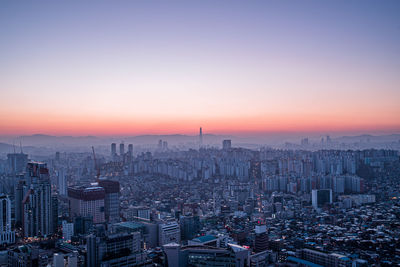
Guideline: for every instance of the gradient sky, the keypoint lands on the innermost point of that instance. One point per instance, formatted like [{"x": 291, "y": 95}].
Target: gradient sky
[{"x": 135, "y": 67}]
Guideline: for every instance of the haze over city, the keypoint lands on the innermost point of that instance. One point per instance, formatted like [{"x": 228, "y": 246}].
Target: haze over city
[{"x": 200, "y": 133}]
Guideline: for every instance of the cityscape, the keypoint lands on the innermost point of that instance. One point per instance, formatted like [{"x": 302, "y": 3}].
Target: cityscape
[
  {"x": 200, "y": 133},
  {"x": 217, "y": 205}
]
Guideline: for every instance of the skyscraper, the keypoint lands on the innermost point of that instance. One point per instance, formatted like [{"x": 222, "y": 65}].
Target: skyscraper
[
  {"x": 54, "y": 208},
  {"x": 20, "y": 191},
  {"x": 226, "y": 144},
  {"x": 320, "y": 197},
  {"x": 121, "y": 149},
  {"x": 17, "y": 162},
  {"x": 6, "y": 235},
  {"x": 169, "y": 232},
  {"x": 92, "y": 253},
  {"x": 62, "y": 182},
  {"x": 130, "y": 150},
  {"x": 67, "y": 230},
  {"x": 37, "y": 217},
  {"x": 87, "y": 201},
  {"x": 201, "y": 137},
  {"x": 113, "y": 150},
  {"x": 261, "y": 238},
  {"x": 160, "y": 144},
  {"x": 111, "y": 200}
]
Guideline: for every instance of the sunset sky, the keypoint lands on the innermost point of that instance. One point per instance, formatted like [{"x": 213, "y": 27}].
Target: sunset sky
[{"x": 232, "y": 67}]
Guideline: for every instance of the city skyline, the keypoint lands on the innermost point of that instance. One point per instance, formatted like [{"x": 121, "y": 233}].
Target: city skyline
[
  {"x": 200, "y": 133},
  {"x": 232, "y": 68}
]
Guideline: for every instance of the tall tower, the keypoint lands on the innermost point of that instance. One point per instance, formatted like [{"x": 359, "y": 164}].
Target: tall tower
[
  {"x": 62, "y": 182},
  {"x": 121, "y": 149},
  {"x": 226, "y": 144},
  {"x": 201, "y": 137},
  {"x": 113, "y": 150},
  {"x": 6, "y": 235},
  {"x": 37, "y": 217},
  {"x": 130, "y": 150},
  {"x": 17, "y": 162},
  {"x": 111, "y": 200},
  {"x": 87, "y": 201}
]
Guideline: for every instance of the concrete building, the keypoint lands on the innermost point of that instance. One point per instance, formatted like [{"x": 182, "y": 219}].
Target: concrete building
[
  {"x": 67, "y": 230},
  {"x": 261, "y": 238},
  {"x": 58, "y": 260},
  {"x": 37, "y": 219},
  {"x": 320, "y": 197},
  {"x": 6, "y": 235},
  {"x": 169, "y": 232},
  {"x": 17, "y": 162},
  {"x": 62, "y": 182},
  {"x": 111, "y": 200},
  {"x": 226, "y": 144},
  {"x": 122, "y": 249},
  {"x": 201, "y": 137},
  {"x": 121, "y": 149},
  {"x": 87, "y": 202},
  {"x": 113, "y": 150},
  {"x": 182, "y": 256},
  {"x": 324, "y": 259}
]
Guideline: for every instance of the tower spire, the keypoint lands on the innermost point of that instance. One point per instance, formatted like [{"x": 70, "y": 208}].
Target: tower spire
[{"x": 201, "y": 137}]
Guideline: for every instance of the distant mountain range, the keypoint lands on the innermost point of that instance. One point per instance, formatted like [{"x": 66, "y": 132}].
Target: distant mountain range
[
  {"x": 369, "y": 138},
  {"x": 60, "y": 141},
  {"x": 37, "y": 141}
]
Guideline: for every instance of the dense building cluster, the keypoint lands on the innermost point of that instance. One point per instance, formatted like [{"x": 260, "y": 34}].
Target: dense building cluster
[{"x": 201, "y": 207}]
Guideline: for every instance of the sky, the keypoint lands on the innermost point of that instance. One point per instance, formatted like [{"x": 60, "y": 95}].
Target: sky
[{"x": 232, "y": 67}]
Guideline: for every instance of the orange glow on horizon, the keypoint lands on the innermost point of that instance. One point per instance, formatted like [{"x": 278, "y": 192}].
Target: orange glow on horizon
[{"x": 244, "y": 125}]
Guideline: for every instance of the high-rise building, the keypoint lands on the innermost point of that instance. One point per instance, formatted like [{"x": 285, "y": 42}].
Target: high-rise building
[
  {"x": 6, "y": 235},
  {"x": 320, "y": 197},
  {"x": 324, "y": 259},
  {"x": 304, "y": 142},
  {"x": 190, "y": 226},
  {"x": 37, "y": 217},
  {"x": 72, "y": 260},
  {"x": 82, "y": 225},
  {"x": 27, "y": 256},
  {"x": 169, "y": 232},
  {"x": 137, "y": 212},
  {"x": 261, "y": 238},
  {"x": 160, "y": 144},
  {"x": 111, "y": 200},
  {"x": 54, "y": 209},
  {"x": 67, "y": 230},
  {"x": 113, "y": 150},
  {"x": 328, "y": 139},
  {"x": 20, "y": 191},
  {"x": 226, "y": 144},
  {"x": 121, "y": 149},
  {"x": 201, "y": 137},
  {"x": 165, "y": 145},
  {"x": 17, "y": 162},
  {"x": 62, "y": 182},
  {"x": 87, "y": 201},
  {"x": 58, "y": 260},
  {"x": 57, "y": 156},
  {"x": 180, "y": 256},
  {"x": 92, "y": 258},
  {"x": 130, "y": 150},
  {"x": 121, "y": 249}
]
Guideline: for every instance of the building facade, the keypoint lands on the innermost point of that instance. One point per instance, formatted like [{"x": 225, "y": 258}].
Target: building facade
[{"x": 87, "y": 202}]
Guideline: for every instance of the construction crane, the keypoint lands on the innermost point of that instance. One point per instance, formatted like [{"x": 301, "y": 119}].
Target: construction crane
[{"x": 96, "y": 166}]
